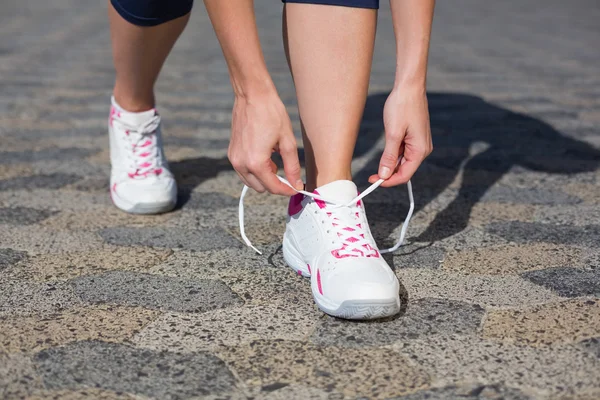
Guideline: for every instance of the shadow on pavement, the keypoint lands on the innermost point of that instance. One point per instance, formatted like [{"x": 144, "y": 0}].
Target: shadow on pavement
[{"x": 480, "y": 139}]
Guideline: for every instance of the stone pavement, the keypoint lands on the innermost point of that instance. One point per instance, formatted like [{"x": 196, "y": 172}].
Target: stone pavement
[{"x": 501, "y": 276}]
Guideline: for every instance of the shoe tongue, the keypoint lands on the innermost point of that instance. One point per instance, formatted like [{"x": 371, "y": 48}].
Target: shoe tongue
[{"x": 338, "y": 191}]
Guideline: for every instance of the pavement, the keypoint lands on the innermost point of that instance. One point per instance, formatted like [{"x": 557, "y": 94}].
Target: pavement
[{"x": 500, "y": 276}]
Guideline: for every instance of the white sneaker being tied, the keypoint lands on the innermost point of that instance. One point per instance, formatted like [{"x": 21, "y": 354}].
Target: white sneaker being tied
[
  {"x": 140, "y": 180},
  {"x": 328, "y": 238}
]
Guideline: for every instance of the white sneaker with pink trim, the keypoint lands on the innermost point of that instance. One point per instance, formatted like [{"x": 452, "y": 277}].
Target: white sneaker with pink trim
[
  {"x": 330, "y": 241},
  {"x": 140, "y": 180}
]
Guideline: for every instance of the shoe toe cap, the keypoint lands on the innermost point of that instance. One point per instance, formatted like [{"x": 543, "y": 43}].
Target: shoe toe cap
[
  {"x": 361, "y": 279},
  {"x": 158, "y": 191}
]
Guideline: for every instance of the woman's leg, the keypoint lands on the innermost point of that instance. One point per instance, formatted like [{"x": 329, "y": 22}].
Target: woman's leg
[
  {"x": 143, "y": 33},
  {"x": 141, "y": 44},
  {"x": 330, "y": 51}
]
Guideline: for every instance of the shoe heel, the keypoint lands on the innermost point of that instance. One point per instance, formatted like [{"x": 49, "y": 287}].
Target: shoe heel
[{"x": 293, "y": 259}]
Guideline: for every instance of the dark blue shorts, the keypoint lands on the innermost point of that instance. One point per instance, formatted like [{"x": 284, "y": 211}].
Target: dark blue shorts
[
  {"x": 152, "y": 12},
  {"x": 156, "y": 12},
  {"x": 345, "y": 3}
]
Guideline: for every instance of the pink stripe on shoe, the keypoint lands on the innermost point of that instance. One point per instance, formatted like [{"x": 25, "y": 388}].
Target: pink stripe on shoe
[
  {"x": 295, "y": 205},
  {"x": 319, "y": 286}
]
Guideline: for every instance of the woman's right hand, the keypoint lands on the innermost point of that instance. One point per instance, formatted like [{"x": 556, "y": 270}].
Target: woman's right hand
[{"x": 260, "y": 126}]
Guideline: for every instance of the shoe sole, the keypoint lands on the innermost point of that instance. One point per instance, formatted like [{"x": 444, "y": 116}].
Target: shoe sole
[
  {"x": 360, "y": 309},
  {"x": 142, "y": 209},
  {"x": 349, "y": 309}
]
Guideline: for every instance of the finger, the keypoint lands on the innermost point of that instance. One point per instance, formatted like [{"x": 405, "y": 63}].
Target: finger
[
  {"x": 405, "y": 172},
  {"x": 269, "y": 180},
  {"x": 243, "y": 179},
  {"x": 255, "y": 183},
  {"x": 389, "y": 158},
  {"x": 291, "y": 163}
]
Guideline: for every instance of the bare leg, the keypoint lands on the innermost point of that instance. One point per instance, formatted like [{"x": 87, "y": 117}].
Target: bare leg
[
  {"x": 330, "y": 51},
  {"x": 139, "y": 54}
]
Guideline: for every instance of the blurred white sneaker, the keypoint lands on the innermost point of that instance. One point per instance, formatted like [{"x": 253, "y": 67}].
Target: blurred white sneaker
[
  {"x": 140, "y": 180},
  {"x": 330, "y": 241}
]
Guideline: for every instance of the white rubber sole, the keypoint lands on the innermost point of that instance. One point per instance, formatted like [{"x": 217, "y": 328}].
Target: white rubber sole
[
  {"x": 142, "y": 208},
  {"x": 363, "y": 309}
]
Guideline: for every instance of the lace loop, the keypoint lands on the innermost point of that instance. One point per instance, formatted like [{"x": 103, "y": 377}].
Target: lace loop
[
  {"x": 143, "y": 147},
  {"x": 369, "y": 190}
]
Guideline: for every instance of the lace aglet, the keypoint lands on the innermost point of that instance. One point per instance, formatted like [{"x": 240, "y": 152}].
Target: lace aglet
[{"x": 256, "y": 250}]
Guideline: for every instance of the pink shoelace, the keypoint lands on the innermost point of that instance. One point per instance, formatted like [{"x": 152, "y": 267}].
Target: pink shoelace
[{"x": 142, "y": 150}]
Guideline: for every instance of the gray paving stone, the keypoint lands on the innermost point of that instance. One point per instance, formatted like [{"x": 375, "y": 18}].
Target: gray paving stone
[
  {"x": 526, "y": 232},
  {"x": 468, "y": 392},
  {"x": 568, "y": 215},
  {"x": 484, "y": 290},
  {"x": 592, "y": 346},
  {"x": 284, "y": 391},
  {"x": 568, "y": 282},
  {"x": 517, "y": 195},
  {"x": 209, "y": 201},
  {"x": 98, "y": 184},
  {"x": 18, "y": 377},
  {"x": 231, "y": 326},
  {"x": 43, "y": 134},
  {"x": 423, "y": 318},
  {"x": 196, "y": 142},
  {"x": 37, "y": 239},
  {"x": 23, "y": 215},
  {"x": 414, "y": 256},
  {"x": 78, "y": 167},
  {"x": 52, "y": 181},
  {"x": 8, "y": 157},
  {"x": 118, "y": 367},
  {"x": 199, "y": 239},
  {"x": 155, "y": 291},
  {"x": 27, "y": 298},
  {"x": 552, "y": 372},
  {"x": 469, "y": 238},
  {"x": 9, "y": 257}
]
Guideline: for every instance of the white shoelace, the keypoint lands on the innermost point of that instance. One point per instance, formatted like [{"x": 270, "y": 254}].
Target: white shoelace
[
  {"x": 337, "y": 205},
  {"x": 141, "y": 147}
]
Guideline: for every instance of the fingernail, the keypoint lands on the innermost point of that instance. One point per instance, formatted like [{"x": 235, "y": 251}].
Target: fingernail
[
  {"x": 299, "y": 184},
  {"x": 384, "y": 172}
]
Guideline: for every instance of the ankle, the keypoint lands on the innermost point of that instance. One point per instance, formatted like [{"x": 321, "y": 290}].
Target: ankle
[
  {"x": 133, "y": 103},
  {"x": 323, "y": 179}
]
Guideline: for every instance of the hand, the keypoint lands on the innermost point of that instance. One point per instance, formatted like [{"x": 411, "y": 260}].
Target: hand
[
  {"x": 259, "y": 127},
  {"x": 407, "y": 134}
]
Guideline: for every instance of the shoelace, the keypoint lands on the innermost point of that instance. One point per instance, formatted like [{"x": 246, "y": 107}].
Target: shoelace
[
  {"x": 336, "y": 205},
  {"x": 142, "y": 151},
  {"x": 351, "y": 232}
]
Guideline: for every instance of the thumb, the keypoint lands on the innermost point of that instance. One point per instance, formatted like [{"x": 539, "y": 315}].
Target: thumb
[
  {"x": 389, "y": 158},
  {"x": 291, "y": 163}
]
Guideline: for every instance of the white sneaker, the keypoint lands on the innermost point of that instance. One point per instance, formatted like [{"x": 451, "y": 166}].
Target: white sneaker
[
  {"x": 140, "y": 180},
  {"x": 331, "y": 242}
]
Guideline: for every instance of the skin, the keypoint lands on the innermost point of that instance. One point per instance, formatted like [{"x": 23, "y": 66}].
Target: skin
[
  {"x": 139, "y": 54},
  {"x": 330, "y": 117},
  {"x": 260, "y": 122},
  {"x": 406, "y": 114},
  {"x": 332, "y": 80}
]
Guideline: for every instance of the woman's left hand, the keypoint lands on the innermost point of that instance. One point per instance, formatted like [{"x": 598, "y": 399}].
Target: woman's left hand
[{"x": 407, "y": 134}]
